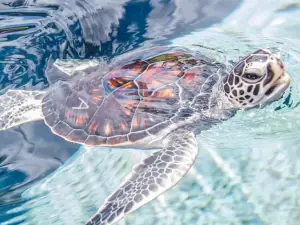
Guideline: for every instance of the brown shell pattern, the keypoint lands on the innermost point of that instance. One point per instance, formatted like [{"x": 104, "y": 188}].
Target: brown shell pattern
[{"x": 127, "y": 104}]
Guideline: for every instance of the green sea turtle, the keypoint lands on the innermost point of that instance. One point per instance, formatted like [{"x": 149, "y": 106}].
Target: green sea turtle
[{"x": 155, "y": 98}]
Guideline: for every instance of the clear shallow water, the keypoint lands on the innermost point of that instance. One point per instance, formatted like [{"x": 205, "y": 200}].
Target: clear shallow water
[
  {"x": 35, "y": 33},
  {"x": 246, "y": 173}
]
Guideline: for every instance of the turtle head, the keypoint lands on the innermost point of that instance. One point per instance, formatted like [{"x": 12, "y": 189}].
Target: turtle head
[{"x": 256, "y": 80}]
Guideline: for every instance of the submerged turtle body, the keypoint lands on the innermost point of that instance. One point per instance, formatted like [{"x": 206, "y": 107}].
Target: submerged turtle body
[
  {"x": 154, "y": 98},
  {"x": 135, "y": 100}
]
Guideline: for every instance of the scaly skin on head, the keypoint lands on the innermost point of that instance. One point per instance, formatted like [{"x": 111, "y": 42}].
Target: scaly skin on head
[{"x": 255, "y": 81}]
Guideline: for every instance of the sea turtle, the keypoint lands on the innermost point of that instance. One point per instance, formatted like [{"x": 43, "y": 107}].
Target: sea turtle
[{"x": 155, "y": 98}]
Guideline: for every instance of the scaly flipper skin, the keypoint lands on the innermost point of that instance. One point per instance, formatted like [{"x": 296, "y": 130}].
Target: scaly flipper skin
[
  {"x": 152, "y": 177},
  {"x": 19, "y": 106}
]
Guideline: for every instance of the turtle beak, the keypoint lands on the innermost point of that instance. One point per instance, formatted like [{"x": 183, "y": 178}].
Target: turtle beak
[
  {"x": 283, "y": 82},
  {"x": 279, "y": 83},
  {"x": 278, "y": 88}
]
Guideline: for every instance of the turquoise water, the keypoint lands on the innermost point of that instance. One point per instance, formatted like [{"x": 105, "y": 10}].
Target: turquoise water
[{"x": 248, "y": 168}]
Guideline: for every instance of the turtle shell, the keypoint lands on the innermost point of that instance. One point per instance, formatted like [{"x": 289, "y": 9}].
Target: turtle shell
[{"x": 135, "y": 99}]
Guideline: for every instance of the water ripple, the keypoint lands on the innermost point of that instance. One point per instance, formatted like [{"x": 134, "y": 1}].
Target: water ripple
[{"x": 242, "y": 176}]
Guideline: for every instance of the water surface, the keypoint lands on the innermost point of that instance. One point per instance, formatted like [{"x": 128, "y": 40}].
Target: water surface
[{"x": 247, "y": 171}]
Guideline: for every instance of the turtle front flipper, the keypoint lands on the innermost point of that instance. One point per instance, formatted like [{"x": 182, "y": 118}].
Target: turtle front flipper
[
  {"x": 19, "y": 106},
  {"x": 149, "y": 179}
]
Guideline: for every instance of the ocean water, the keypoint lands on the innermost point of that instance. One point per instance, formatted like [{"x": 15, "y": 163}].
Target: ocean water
[{"x": 248, "y": 168}]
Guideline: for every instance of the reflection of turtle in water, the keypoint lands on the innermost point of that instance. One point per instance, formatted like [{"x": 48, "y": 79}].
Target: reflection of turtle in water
[{"x": 157, "y": 98}]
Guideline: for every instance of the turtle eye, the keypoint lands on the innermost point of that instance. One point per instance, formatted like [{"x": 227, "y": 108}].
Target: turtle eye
[{"x": 251, "y": 76}]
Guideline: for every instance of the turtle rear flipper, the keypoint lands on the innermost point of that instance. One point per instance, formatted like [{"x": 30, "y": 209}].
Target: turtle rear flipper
[
  {"x": 19, "y": 106},
  {"x": 71, "y": 66},
  {"x": 64, "y": 69}
]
